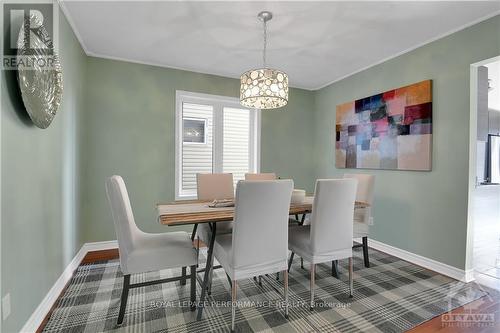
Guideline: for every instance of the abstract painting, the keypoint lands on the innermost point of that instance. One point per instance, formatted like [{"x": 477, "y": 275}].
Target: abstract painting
[{"x": 391, "y": 130}]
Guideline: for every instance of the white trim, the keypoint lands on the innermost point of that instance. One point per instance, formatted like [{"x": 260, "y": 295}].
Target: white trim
[
  {"x": 100, "y": 246},
  {"x": 69, "y": 18},
  {"x": 439, "y": 267},
  {"x": 151, "y": 63},
  {"x": 438, "y": 37},
  {"x": 472, "y": 181},
  {"x": 177, "y": 151},
  {"x": 43, "y": 309},
  {"x": 258, "y": 141},
  {"x": 2, "y": 291}
]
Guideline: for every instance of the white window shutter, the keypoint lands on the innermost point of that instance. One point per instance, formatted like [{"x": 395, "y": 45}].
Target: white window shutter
[
  {"x": 196, "y": 157},
  {"x": 236, "y": 142}
]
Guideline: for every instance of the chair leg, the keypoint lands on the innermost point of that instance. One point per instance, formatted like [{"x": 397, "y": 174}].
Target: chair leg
[
  {"x": 365, "y": 252},
  {"x": 285, "y": 282},
  {"x": 335, "y": 271},
  {"x": 209, "y": 288},
  {"x": 260, "y": 280},
  {"x": 197, "y": 250},
  {"x": 233, "y": 304},
  {"x": 350, "y": 277},
  {"x": 192, "y": 271},
  {"x": 123, "y": 301},
  {"x": 313, "y": 269},
  {"x": 290, "y": 261},
  {"x": 301, "y": 262},
  {"x": 278, "y": 276},
  {"x": 183, "y": 277}
]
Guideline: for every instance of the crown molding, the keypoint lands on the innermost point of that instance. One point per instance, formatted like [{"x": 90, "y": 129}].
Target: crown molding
[{"x": 104, "y": 56}]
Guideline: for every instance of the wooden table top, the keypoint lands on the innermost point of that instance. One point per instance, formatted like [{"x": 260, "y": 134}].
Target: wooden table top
[{"x": 194, "y": 211}]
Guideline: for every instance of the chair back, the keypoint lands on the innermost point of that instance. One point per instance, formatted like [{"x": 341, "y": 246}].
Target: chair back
[
  {"x": 260, "y": 229},
  {"x": 212, "y": 186},
  {"x": 125, "y": 228},
  {"x": 332, "y": 215},
  {"x": 260, "y": 176},
  {"x": 366, "y": 186}
]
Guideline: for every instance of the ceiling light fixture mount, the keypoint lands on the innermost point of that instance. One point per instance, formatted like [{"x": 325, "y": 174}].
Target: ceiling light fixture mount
[{"x": 264, "y": 88}]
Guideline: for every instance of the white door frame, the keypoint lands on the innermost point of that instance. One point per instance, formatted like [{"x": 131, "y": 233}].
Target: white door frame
[{"x": 469, "y": 254}]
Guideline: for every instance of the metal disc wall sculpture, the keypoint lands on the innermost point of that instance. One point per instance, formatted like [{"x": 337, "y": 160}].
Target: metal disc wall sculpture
[{"x": 39, "y": 72}]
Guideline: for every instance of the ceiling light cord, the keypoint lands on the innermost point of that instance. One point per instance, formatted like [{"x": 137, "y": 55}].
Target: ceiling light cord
[{"x": 264, "y": 63}]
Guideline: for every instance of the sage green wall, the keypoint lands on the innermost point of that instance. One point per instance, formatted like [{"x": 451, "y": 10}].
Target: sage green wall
[
  {"x": 129, "y": 131},
  {"x": 38, "y": 187},
  {"x": 123, "y": 123},
  {"x": 421, "y": 212}
]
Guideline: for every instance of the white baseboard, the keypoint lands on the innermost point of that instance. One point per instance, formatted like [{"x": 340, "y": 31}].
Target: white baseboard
[
  {"x": 439, "y": 267},
  {"x": 43, "y": 309},
  {"x": 99, "y": 246}
]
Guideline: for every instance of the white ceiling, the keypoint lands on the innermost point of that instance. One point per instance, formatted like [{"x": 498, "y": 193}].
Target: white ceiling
[{"x": 316, "y": 43}]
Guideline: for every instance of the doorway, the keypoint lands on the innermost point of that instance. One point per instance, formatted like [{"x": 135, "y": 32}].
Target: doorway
[{"x": 484, "y": 183}]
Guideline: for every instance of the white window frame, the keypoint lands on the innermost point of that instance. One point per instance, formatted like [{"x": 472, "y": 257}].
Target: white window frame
[{"x": 218, "y": 103}]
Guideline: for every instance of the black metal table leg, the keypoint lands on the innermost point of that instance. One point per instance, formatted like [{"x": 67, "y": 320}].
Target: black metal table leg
[
  {"x": 195, "y": 227},
  {"x": 208, "y": 267},
  {"x": 302, "y": 219}
]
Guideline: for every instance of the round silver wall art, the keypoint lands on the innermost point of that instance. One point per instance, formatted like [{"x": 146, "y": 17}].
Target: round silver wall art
[{"x": 39, "y": 73}]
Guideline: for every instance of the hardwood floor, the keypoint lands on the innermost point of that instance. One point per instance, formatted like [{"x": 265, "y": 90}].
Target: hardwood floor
[
  {"x": 94, "y": 256},
  {"x": 490, "y": 307}
]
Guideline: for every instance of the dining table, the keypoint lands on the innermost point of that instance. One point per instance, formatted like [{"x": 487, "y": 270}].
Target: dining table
[{"x": 194, "y": 212}]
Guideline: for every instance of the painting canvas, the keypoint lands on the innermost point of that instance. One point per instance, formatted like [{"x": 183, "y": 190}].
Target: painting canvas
[{"x": 391, "y": 130}]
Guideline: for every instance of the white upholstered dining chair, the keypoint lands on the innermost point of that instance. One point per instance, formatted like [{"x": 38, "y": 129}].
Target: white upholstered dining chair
[
  {"x": 260, "y": 176},
  {"x": 329, "y": 235},
  {"x": 142, "y": 252},
  {"x": 258, "y": 244},
  {"x": 363, "y": 216}
]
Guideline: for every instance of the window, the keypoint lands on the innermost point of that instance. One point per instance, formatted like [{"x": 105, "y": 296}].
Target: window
[{"x": 213, "y": 134}]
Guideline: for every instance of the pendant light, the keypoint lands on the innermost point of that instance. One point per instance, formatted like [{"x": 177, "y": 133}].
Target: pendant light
[{"x": 264, "y": 88}]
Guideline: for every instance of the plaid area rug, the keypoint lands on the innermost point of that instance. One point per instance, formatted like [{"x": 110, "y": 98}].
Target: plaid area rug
[{"x": 391, "y": 296}]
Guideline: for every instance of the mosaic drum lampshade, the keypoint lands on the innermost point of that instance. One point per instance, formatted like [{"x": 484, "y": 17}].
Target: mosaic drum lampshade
[{"x": 264, "y": 88}]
